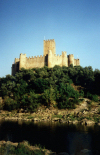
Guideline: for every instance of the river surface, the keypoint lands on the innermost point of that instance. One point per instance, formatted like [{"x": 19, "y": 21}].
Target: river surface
[{"x": 54, "y": 136}]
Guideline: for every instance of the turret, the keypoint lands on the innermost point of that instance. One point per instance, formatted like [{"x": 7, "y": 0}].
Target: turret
[
  {"x": 64, "y": 59},
  {"x": 22, "y": 63},
  {"x": 77, "y": 62},
  {"x": 70, "y": 59}
]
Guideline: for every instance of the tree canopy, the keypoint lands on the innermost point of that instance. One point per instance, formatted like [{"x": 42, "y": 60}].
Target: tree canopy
[{"x": 32, "y": 87}]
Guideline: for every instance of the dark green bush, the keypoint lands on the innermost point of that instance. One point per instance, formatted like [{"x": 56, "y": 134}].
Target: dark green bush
[
  {"x": 95, "y": 98},
  {"x": 33, "y": 101},
  {"x": 48, "y": 96},
  {"x": 23, "y": 150},
  {"x": 81, "y": 93},
  {"x": 89, "y": 95},
  {"x": 92, "y": 97},
  {"x": 49, "y": 85},
  {"x": 10, "y": 104},
  {"x": 67, "y": 103}
]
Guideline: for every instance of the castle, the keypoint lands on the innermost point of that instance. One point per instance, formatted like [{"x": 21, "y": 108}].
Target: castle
[{"x": 49, "y": 59}]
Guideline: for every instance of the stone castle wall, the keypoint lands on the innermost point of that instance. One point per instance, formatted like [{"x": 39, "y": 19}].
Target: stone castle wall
[
  {"x": 49, "y": 59},
  {"x": 34, "y": 62},
  {"x": 54, "y": 59}
]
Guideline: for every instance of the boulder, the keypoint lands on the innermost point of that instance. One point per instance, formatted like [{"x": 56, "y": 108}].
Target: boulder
[
  {"x": 35, "y": 119},
  {"x": 89, "y": 122},
  {"x": 69, "y": 121},
  {"x": 55, "y": 119},
  {"x": 99, "y": 123},
  {"x": 75, "y": 122},
  {"x": 62, "y": 121},
  {"x": 44, "y": 118}
]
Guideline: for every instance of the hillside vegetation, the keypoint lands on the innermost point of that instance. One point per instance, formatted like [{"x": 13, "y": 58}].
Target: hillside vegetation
[{"x": 61, "y": 87}]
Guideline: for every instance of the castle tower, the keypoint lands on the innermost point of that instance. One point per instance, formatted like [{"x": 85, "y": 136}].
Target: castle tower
[
  {"x": 77, "y": 62},
  {"x": 49, "y": 59},
  {"x": 64, "y": 59},
  {"x": 22, "y": 63},
  {"x": 49, "y": 45},
  {"x": 70, "y": 59}
]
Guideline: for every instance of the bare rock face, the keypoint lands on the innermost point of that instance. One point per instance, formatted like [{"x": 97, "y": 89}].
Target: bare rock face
[
  {"x": 90, "y": 122},
  {"x": 87, "y": 122},
  {"x": 75, "y": 122},
  {"x": 35, "y": 119}
]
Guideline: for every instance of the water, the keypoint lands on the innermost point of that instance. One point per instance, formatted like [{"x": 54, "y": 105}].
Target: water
[{"x": 54, "y": 136}]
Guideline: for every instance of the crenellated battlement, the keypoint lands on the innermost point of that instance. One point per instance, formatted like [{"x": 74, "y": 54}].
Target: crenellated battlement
[
  {"x": 17, "y": 60},
  {"x": 71, "y": 55},
  {"x": 49, "y": 40},
  {"x": 41, "y": 56},
  {"x": 49, "y": 58}
]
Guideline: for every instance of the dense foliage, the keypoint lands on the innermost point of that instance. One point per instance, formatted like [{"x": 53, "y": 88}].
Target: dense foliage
[
  {"x": 49, "y": 86},
  {"x": 21, "y": 149}
]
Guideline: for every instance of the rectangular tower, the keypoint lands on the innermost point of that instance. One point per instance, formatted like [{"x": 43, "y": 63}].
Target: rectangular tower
[{"x": 49, "y": 45}]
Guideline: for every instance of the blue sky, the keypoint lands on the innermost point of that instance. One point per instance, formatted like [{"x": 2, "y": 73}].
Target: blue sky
[{"x": 74, "y": 24}]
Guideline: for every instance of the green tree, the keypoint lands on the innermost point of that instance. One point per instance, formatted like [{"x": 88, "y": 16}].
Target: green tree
[{"x": 48, "y": 96}]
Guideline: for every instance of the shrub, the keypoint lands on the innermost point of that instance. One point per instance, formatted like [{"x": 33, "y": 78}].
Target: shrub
[
  {"x": 23, "y": 150},
  {"x": 33, "y": 101},
  {"x": 92, "y": 97},
  {"x": 89, "y": 95},
  {"x": 63, "y": 104},
  {"x": 71, "y": 104},
  {"x": 10, "y": 104},
  {"x": 24, "y": 101},
  {"x": 48, "y": 96},
  {"x": 66, "y": 103},
  {"x": 39, "y": 85},
  {"x": 95, "y": 98},
  {"x": 81, "y": 93}
]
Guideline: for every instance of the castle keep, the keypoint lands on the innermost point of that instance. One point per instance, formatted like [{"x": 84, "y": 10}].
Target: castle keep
[{"x": 49, "y": 59}]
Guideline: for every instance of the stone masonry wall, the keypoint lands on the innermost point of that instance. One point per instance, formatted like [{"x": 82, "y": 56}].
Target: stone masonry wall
[
  {"x": 49, "y": 59},
  {"x": 54, "y": 59},
  {"x": 33, "y": 62}
]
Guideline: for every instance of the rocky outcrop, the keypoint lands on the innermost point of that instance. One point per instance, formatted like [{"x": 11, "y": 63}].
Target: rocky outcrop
[
  {"x": 33, "y": 149},
  {"x": 46, "y": 151},
  {"x": 81, "y": 114},
  {"x": 87, "y": 122}
]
